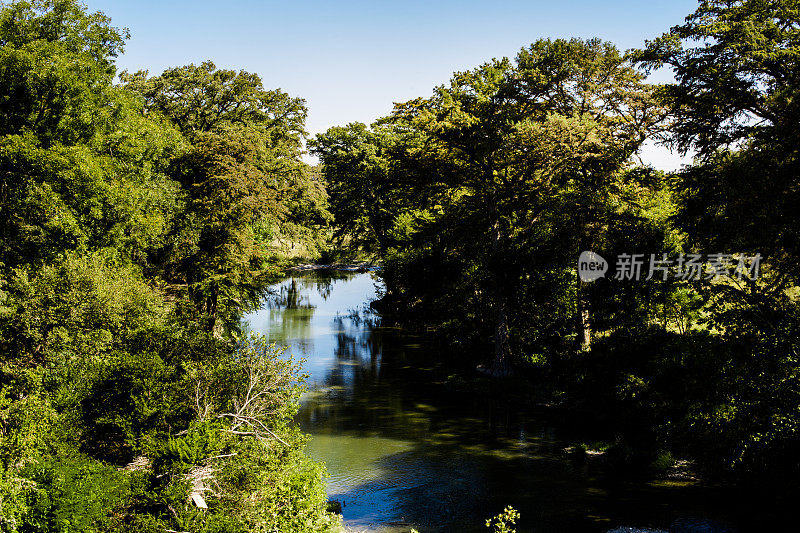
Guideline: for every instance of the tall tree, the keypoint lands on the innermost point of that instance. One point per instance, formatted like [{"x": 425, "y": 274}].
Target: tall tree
[
  {"x": 81, "y": 167},
  {"x": 56, "y": 64},
  {"x": 242, "y": 176},
  {"x": 368, "y": 184},
  {"x": 735, "y": 102},
  {"x": 512, "y": 136}
]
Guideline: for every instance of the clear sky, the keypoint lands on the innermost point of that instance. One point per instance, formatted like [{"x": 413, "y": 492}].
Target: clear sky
[{"x": 351, "y": 60}]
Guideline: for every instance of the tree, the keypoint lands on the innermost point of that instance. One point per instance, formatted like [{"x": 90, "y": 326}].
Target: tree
[
  {"x": 80, "y": 166},
  {"x": 367, "y": 184},
  {"x": 56, "y": 64},
  {"x": 243, "y": 180},
  {"x": 511, "y": 139},
  {"x": 98, "y": 191},
  {"x": 735, "y": 69},
  {"x": 735, "y": 102}
]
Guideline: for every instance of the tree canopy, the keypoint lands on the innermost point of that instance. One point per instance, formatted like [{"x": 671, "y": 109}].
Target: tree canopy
[
  {"x": 134, "y": 231},
  {"x": 142, "y": 214}
]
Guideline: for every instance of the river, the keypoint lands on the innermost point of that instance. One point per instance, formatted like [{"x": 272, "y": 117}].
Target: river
[{"x": 409, "y": 443}]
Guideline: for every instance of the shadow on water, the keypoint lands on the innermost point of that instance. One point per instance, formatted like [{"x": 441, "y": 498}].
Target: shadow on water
[{"x": 408, "y": 444}]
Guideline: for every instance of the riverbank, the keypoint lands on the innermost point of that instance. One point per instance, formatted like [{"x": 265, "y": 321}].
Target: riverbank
[{"x": 360, "y": 267}]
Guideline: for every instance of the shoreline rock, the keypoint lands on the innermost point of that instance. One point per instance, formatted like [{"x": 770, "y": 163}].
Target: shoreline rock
[{"x": 348, "y": 267}]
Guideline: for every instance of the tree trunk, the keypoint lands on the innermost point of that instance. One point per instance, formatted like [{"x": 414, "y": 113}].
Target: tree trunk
[
  {"x": 211, "y": 310},
  {"x": 584, "y": 324},
  {"x": 583, "y": 317},
  {"x": 501, "y": 365}
]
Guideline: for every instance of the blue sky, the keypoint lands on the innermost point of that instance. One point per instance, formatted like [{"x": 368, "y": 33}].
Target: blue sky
[{"x": 351, "y": 60}]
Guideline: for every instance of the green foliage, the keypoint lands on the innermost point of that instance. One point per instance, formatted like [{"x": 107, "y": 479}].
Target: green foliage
[
  {"x": 735, "y": 104},
  {"x": 504, "y": 522},
  {"x": 200, "y": 442},
  {"x": 57, "y": 62},
  {"x": 138, "y": 220},
  {"x": 78, "y": 305},
  {"x": 242, "y": 434},
  {"x": 132, "y": 224},
  {"x": 732, "y": 63},
  {"x": 480, "y": 198},
  {"x": 244, "y": 183},
  {"x": 517, "y": 163},
  {"x": 372, "y": 194},
  {"x": 71, "y": 494}
]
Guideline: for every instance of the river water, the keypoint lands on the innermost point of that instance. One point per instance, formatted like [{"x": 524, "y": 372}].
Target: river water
[{"x": 408, "y": 444}]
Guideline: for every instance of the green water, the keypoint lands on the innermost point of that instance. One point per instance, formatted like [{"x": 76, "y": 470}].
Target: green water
[{"x": 408, "y": 443}]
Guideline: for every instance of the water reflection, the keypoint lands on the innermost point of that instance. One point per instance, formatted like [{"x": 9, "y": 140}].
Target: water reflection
[{"x": 407, "y": 444}]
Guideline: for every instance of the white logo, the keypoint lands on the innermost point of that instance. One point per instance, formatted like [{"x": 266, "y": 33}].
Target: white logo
[{"x": 591, "y": 266}]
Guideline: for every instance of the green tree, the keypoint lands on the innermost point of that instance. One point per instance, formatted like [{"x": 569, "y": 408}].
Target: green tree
[
  {"x": 511, "y": 139},
  {"x": 243, "y": 180},
  {"x": 735, "y": 103},
  {"x": 79, "y": 164},
  {"x": 369, "y": 185},
  {"x": 56, "y": 66},
  {"x": 97, "y": 352}
]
